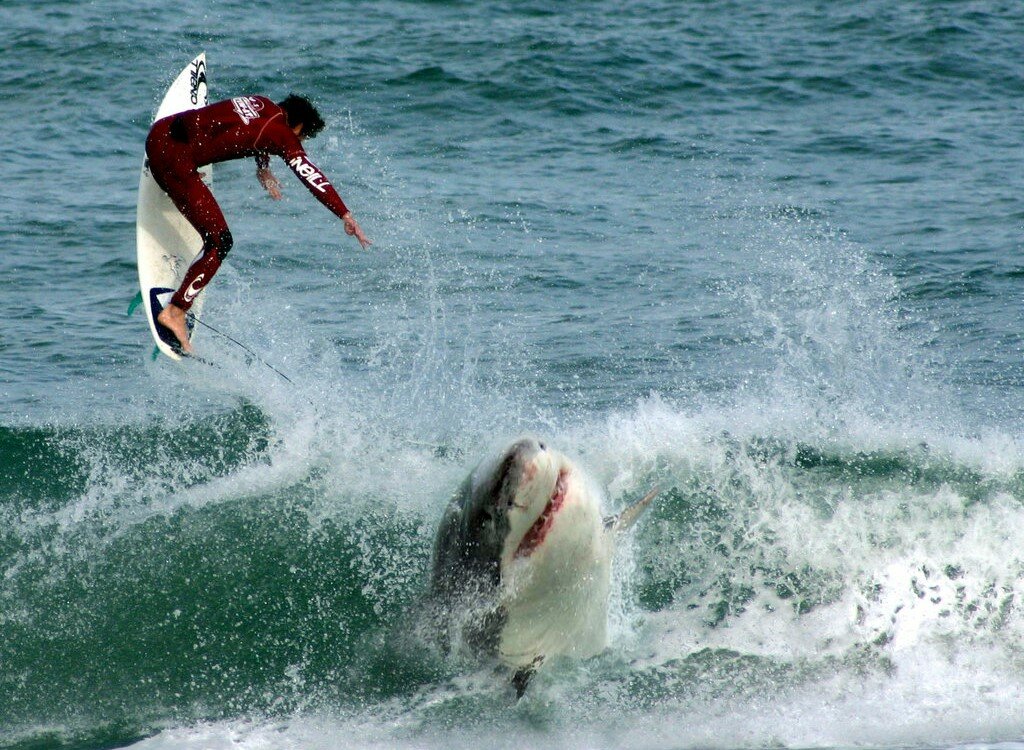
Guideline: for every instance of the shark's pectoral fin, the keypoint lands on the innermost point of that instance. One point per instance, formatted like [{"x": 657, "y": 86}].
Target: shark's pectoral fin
[
  {"x": 629, "y": 516},
  {"x": 523, "y": 675}
]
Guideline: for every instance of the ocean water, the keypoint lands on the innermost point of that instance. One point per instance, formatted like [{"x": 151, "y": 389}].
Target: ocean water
[{"x": 766, "y": 256}]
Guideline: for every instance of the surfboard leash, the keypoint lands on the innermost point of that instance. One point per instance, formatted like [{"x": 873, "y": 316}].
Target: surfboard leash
[{"x": 238, "y": 343}]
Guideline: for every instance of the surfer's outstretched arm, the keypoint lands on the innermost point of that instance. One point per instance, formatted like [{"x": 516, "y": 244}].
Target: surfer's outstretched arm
[
  {"x": 317, "y": 184},
  {"x": 283, "y": 136}
]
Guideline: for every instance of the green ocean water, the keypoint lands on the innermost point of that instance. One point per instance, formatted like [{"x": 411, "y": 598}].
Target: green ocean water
[{"x": 763, "y": 256}]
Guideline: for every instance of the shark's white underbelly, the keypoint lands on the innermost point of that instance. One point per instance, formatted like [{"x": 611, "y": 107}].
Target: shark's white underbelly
[{"x": 556, "y": 599}]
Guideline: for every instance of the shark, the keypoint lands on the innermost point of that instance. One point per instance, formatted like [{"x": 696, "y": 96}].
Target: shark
[{"x": 522, "y": 560}]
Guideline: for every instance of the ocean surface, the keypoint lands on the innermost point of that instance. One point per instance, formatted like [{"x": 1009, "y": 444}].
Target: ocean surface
[{"x": 764, "y": 255}]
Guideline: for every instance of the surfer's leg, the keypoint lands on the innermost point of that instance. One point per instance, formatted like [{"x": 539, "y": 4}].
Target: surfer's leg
[{"x": 198, "y": 206}]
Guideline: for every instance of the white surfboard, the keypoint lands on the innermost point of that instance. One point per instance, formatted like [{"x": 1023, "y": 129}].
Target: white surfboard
[{"x": 166, "y": 242}]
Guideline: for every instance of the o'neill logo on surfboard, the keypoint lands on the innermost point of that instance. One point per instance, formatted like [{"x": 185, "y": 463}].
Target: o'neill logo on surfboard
[
  {"x": 198, "y": 78},
  {"x": 309, "y": 173},
  {"x": 247, "y": 107}
]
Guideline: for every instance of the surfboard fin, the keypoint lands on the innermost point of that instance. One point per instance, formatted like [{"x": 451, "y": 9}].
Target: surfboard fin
[
  {"x": 629, "y": 516},
  {"x": 136, "y": 301}
]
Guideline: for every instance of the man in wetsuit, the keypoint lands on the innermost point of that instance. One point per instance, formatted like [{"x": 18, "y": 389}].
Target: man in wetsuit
[{"x": 244, "y": 126}]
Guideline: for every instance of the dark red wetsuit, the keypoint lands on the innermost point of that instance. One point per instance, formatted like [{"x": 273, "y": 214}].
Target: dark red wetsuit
[{"x": 244, "y": 126}]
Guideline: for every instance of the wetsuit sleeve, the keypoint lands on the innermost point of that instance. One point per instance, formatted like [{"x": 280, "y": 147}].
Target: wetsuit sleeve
[
  {"x": 277, "y": 138},
  {"x": 316, "y": 181}
]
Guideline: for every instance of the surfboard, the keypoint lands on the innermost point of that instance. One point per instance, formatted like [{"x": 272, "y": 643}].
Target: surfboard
[{"x": 166, "y": 243}]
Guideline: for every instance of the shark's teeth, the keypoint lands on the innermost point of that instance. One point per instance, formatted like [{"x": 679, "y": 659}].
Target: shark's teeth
[{"x": 534, "y": 536}]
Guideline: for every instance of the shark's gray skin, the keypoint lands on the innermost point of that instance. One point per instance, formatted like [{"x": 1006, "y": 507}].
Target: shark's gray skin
[{"x": 522, "y": 560}]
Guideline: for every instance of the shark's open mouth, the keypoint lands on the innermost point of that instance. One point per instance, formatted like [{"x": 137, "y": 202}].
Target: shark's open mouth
[{"x": 534, "y": 537}]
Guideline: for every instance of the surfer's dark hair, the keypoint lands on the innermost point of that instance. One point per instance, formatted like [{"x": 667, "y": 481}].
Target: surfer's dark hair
[{"x": 298, "y": 109}]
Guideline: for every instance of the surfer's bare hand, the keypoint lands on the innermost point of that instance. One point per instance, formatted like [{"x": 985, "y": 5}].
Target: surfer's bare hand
[
  {"x": 352, "y": 229},
  {"x": 269, "y": 182}
]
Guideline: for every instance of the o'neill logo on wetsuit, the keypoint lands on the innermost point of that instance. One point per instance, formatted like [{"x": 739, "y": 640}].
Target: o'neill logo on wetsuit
[
  {"x": 247, "y": 107},
  {"x": 192, "y": 291},
  {"x": 309, "y": 173}
]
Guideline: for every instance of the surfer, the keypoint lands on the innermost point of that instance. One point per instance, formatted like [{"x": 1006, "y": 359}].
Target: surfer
[{"x": 246, "y": 126}]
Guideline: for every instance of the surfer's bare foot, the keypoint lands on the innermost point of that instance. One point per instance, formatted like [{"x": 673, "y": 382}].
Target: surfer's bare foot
[{"x": 172, "y": 317}]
